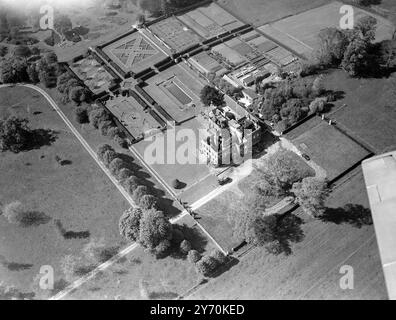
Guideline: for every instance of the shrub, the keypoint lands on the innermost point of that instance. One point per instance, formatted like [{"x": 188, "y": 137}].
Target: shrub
[
  {"x": 14, "y": 212},
  {"x": 124, "y": 174},
  {"x": 95, "y": 250},
  {"x": 131, "y": 183},
  {"x": 98, "y": 115},
  {"x": 139, "y": 192},
  {"x": 69, "y": 265},
  {"x": 102, "y": 149},
  {"x": 104, "y": 127},
  {"x": 185, "y": 246},
  {"x": 113, "y": 131},
  {"x": 147, "y": 201},
  {"x": 81, "y": 115},
  {"x": 108, "y": 157},
  {"x": 115, "y": 166},
  {"x": 193, "y": 256},
  {"x": 129, "y": 224},
  {"x": 162, "y": 248}
]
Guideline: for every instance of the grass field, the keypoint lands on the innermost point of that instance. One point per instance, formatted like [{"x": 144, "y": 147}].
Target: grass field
[
  {"x": 299, "y": 32},
  {"x": 94, "y": 139},
  {"x": 370, "y": 113},
  {"x": 77, "y": 193},
  {"x": 161, "y": 278},
  {"x": 330, "y": 149},
  {"x": 259, "y": 12},
  {"x": 312, "y": 271}
]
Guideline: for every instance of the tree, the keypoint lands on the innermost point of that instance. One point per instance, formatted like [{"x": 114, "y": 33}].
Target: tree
[
  {"x": 318, "y": 87},
  {"x": 155, "y": 230},
  {"x": 332, "y": 45},
  {"x": 124, "y": 174},
  {"x": 13, "y": 70},
  {"x": 98, "y": 115},
  {"x": 14, "y": 134},
  {"x": 317, "y": 105},
  {"x": 113, "y": 131},
  {"x": 32, "y": 73},
  {"x": 51, "y": 57},
  {"x": 108, "y": 157},
  {"x": 105, "y": 126},
  {"x": 388, "y": 53},
  {"x": 185, "y": 246},
  {"x": 292, "y": 110},
  {"x": 129, "y": 224},
  {"x": 206, "y": 265},
  {"x": 116, "y": 165},
  {"x": 102, "y": 149},
  {"x": 139, "y": 192},
  {"x": 147, "y": 201},
  {"x": 131, "y": 184},
  {"x": 81, "y": 115},
  {"x": 79, "y": 94},
  {"x": 210, "y": 95},
  {"x": 3, "y": 50},
  {"x": 193, "y": 256},
  {"x": 311, "y": 194},
  {"x": 356, "y": 57},
  {"x": 367, "y": 26}
]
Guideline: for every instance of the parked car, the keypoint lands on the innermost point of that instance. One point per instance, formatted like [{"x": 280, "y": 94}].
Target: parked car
[{"x": 306, "y": 157}]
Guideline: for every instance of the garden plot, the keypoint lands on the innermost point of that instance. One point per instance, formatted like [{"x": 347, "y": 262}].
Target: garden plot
[
  {"x": 93, "y": 74},
  {"x": 134, "y": 53}
]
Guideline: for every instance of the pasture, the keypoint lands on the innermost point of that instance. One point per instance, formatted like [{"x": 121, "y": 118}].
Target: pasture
[{"x": 74, "y": 191}]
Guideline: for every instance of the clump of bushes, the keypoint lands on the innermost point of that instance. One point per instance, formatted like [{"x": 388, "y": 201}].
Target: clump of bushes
[{"x": 207, "y": 264}]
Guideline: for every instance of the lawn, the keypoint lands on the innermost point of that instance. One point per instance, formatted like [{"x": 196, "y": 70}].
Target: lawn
[
  {"x": 370, "y": 113},
  {"x": 77, "y": 193},
  {"x": 299, "y": 32},
  {"x": 259, "y": 12},
  {"x": 331, "y": 149},
  {"x": 312, "y": 270},
  {"x": 139, "y": 271}
]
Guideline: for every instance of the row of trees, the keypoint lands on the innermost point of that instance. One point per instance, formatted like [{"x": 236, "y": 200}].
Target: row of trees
[
  {"x": 132, "y": 184},
  {"x": 354, "y": 50},
  {"x": 160, "y": 7}
]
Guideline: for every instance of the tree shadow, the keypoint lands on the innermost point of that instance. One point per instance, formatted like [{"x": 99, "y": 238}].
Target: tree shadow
[
  {"x": 68, "y": 235},
  {"x": 34, "y": 218},
  {"x": 59, "y": 285},
  {"x": 40, "y": 138},
  {"x": 222, "y": 268},
  {"x": 65, "y": 162},
  {"x": 288, "y": 231},
  {"x": 353, "y": 214},
  {"x": 165, "y": 203},
  {"x": 163, "y": 295},
  {"x": 14, "y": 266}
]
